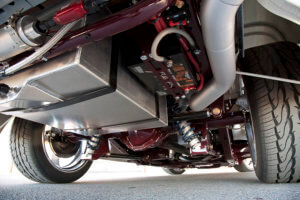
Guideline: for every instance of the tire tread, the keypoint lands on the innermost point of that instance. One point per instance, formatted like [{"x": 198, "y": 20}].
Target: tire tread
[
  {"x": 283, "y": 104},
  {"x": 30, "y": 159}
]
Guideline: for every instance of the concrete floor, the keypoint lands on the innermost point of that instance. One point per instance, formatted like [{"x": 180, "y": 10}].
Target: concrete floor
[
  {"x": 115, "y": 180},
  {"x": 208, "y": 184}
]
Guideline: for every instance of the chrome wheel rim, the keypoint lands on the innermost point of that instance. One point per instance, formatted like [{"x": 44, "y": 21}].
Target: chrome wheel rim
[
  {"x": 248, "y": 163},
  {"x": 252, "y": 142},
  {"x": 178, "y": 170},
  {"x": 66, "y": 165}
]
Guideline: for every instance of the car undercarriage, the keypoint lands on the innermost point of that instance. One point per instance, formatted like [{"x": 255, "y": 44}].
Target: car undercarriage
[{"x": 170, "y": 83}]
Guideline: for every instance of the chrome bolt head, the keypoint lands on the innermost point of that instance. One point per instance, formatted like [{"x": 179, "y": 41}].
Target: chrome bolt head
[
  {"x": 169, "y": 63},
  {"x": 143, "y": 57},
  {"x": 197, "y": 51}
]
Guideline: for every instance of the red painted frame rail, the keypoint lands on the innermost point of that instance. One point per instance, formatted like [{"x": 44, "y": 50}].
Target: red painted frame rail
[{"x": 114, "y": 24}]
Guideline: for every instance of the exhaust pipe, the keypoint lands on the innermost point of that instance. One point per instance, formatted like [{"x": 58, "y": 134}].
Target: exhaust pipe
[{"x": 218, "y": 20}]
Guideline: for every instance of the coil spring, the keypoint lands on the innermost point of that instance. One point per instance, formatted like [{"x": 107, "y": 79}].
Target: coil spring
[
  {"x": 186, "y": 131},
  {"x": 93, "y": 143}
]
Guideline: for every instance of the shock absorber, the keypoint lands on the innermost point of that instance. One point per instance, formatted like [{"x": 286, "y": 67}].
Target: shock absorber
[
  {"x": 92, "y": 146},
  {"x": 191, "y": 137}
]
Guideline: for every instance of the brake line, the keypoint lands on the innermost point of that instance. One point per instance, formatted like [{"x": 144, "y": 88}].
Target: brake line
[{"x": 40, "y": 51}]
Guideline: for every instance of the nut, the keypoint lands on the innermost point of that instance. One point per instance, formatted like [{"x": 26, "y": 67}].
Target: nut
[
  {"x": 143, "y": 57},
  {"x": 179, "y": 4},
  {"x": 216, "y": 111},
  {"x": 197, "y": 51},
  {"x": 169, "y": 63}
]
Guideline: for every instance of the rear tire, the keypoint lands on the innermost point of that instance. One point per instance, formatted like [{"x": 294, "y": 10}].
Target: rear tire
[
  {"x": 30, "y": 158},
  {"x": 275, "y": 111}
]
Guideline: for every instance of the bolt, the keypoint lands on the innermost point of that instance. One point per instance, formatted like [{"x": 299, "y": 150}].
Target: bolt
[
  {"x": 216, "y": 111},
  {"x": 164, "y": 77},
  {"x": 177, "y": 97},
  {"x": 179, "y": 4},
  {"x": 197, "y": 51},
  {"x": 169, "y": 63},
  {"x": 44, "y": 59},
  {"x": 143, "y": 57},
  {"x": 186, "y": 91},
  {"x": 50, "y": 134},
  {"x": 183, "y": 96},
  {"x": 171, "y": 85},
  {"x": 150, "y": 55}
]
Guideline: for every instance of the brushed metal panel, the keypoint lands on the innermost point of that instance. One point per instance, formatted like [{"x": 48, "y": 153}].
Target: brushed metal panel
[{"x": 73, "y": 91}]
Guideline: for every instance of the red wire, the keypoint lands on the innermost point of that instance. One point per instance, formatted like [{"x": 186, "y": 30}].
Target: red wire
[
  {"x": 158, "y": 26},
  {"x": 189, "y": 54},
  {"x": 201, "y": 82},
  {"x": 163, "y": 23}
]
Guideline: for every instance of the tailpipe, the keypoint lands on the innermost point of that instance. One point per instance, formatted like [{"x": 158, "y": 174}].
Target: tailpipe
[{"x": 218, "y": 23}]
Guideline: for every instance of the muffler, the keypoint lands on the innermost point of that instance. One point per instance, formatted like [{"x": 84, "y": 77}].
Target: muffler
[{"x": 218, "y": 23}]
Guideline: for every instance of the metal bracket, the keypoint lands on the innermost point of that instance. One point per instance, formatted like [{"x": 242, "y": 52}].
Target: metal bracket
[{"x": 286, "y": 80}]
